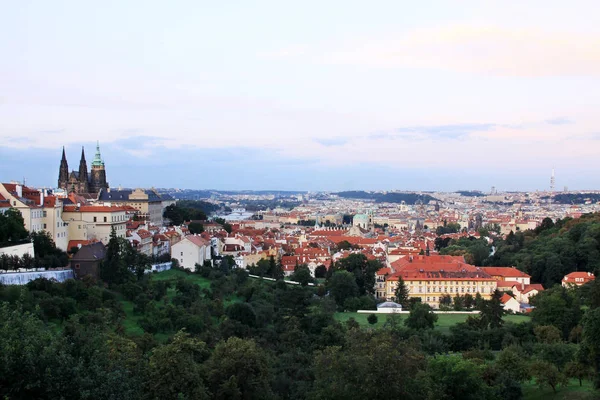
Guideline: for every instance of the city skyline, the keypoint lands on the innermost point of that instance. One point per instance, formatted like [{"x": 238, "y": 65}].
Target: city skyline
[{"x": 332, "y": 96}]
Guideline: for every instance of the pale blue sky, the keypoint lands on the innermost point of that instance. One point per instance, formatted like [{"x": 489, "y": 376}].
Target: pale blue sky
[{"x": 307, "y": 95}]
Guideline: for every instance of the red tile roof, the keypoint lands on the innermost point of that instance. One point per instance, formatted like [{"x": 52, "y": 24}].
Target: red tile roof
[
  {"x": 74, "y": 208},
  {"x": 506, "y": 272},
  {"x": 505, "y": 298},
  {"x": 587, "y": 276},
  {"x": 197, "y": 240}
]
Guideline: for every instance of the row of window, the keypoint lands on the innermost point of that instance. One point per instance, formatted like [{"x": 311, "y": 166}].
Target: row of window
[
  {"x": 447, "y": 289},
  {"x": 468, "y": 283}
]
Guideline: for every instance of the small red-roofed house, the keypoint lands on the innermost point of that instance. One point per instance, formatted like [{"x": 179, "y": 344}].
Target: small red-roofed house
[
  {"x": 524, "y": 292},
  {"x": 577, "y": 279},
  {"x": 510, "y": 303},
  {"x": 191, "y": 250},
  {"x": 508, "y": 274}
]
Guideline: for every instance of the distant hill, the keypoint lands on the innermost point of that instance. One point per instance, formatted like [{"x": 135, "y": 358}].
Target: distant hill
[
  {"x": 207, "y": 194},
  {"x": 576, "y": 198},
  {"x": 408, "y": 198},
  {"x": 470, "y": 193}
]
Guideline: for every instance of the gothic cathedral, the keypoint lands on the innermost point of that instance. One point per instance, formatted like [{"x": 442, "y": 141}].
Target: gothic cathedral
[{"x": 80, "y": 181}]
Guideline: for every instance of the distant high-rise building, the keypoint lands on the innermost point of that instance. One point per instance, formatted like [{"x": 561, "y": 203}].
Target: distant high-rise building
[
  {"x": 80, "y": 181},
  {"x": 552, "y": 181}
]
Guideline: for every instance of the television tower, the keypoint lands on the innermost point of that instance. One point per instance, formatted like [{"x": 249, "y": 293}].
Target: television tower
[{"x": 552, "y": 184}]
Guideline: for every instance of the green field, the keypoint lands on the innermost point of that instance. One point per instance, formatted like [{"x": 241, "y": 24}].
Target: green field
[
  {"x": 573, "y": 391},
  {"x": 444, "y": 322}
]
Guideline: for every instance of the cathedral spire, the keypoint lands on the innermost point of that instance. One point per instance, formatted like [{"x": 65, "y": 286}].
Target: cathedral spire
[
  {"x": 63, "y": 171},
  {"x": 97, "y": 158},
  {"x": 83, "y": 172}
]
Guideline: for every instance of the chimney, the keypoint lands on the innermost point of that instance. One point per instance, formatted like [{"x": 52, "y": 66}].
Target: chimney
[
  {"x": 41, "y": 198},
  {"x": 19, "y": 191}
]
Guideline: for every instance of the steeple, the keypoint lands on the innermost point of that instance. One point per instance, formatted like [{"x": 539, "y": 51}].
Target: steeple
[
  {"x": 83, "y": 173},
  {"x": 63, "y": 171},
  {"x": 97, "y": 157}
]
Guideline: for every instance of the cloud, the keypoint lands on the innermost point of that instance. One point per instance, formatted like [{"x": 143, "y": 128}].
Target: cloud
[
  {"x": 559, "y": 121},
  {"x": 452, "y": 131},
  {"x": 338, "y": 141},
  {"x": 489, "y": 50}
]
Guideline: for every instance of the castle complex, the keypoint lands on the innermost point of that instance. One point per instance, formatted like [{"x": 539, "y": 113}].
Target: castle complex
[{"x": 81, "y": 181}]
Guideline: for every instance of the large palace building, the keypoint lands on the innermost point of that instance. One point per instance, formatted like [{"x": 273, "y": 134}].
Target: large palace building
[{"x": 81, "y": 181}]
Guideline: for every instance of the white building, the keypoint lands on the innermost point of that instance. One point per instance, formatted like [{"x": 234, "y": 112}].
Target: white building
[
  {"x": 510, "y": 303},
  {"x": 191, "y": 250}
]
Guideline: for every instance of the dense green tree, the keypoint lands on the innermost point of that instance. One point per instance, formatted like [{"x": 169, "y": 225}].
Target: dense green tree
[
  {"x": 547, "y": 334},
  {"x": 458, "y": 302},
  {"x": 402, "y": 295},
  {"x": 421, "y": 317},
  {"x": 558, "y": 307},
  {"x": 226, "y": 225},
  {"x": 12, "y": 226},
  {"x": 446, "y": 300},
  {"x": 176, "y": 369},
  {"x": 452, "y": 377},
  {"x": 363, "y": 270},
  {"x": 346, "y": 245},
  {"x": 320, "y": 271},
  {"x": 245, "y": 361},
  {"x": 342, "y": 286},
  {"x": 242, "y": 312},
  {"x": 492, "y": 311},
  {"x": 578, "y": 370},
  {"x": 591, "y": 339},
  {"x": 114, "y": 269},
  {"x": 545, "y": 373},
  {"x": 187, "y": 211},
  {"x": 468, "y": 301},
  {"x": 372, "y": 319},
  {"x": 302, "y": 274},
  {"x": 196, "y": 227},
  {"x": 512, "y": 362},
  {"x": 371, "y": 365}
]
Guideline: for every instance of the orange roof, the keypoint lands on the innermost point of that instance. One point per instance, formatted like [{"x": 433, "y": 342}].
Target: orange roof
[
  {"x": 507, "y": 272},
  {"x": 144, "y": 234},
  {"x": 197, "y": 240},
  {"x": 506, "y": 284},
  {"x": 505, "y": 298},
  {"x": 74, "y": 208},
  {"x": 587, "y": 276},
  {"x": 533, "y": 286}
]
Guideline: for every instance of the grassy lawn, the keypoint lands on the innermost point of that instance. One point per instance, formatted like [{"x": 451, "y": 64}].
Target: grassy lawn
[
  {"x": 173, "y": 274},
  {"x": 573, "y": 391},
  {"x": 445, "y": 321}
]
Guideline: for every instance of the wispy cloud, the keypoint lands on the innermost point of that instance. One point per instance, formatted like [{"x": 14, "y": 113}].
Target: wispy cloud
[
  {"x": 337, "y": 141},
  {"x": 559, "y": 121},
  {"x": 489, "y": 50},
  {"x": 453, "y": 131}
]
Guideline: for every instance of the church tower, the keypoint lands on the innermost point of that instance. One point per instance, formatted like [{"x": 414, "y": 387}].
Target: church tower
[
  {"x": 98, "y": 173},
  {"x": 63, "y": 172},
  {"x": 83, "y": 174}
]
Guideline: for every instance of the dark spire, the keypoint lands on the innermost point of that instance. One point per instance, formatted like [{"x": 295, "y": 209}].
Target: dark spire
[
  {"x": 83, "y": 171},
  {"x": 63, "y": 171}
]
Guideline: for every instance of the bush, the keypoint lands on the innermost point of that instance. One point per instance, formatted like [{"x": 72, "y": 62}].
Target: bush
[{"x": 372, "y": 318}]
